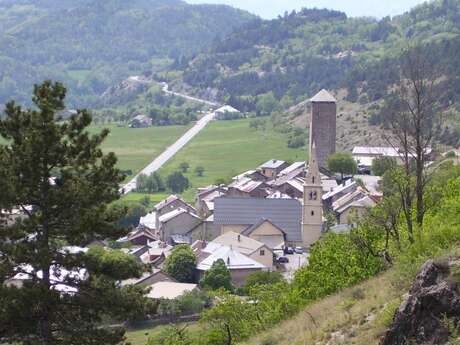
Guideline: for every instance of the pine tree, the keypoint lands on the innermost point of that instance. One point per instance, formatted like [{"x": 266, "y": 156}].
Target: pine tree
[{"x": 54, "y": 172}]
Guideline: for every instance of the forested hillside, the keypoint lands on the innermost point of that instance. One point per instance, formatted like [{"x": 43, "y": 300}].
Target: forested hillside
[
  {"x": 292, "y": 57},
  {"x": 91, "y": 44}
]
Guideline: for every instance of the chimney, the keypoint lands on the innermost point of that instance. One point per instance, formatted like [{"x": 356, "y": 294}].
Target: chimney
[
  {"x": 239, "y": 238},
  {"x": 228, "y": 260}
]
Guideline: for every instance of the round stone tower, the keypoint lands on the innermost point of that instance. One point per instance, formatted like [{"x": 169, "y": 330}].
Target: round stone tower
[{"x": 323, "y": 125}]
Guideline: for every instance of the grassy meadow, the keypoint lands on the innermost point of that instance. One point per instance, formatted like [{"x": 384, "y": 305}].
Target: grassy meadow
[
  {"x": 227, "y": 148},
  {"x": 136, "y": 148}
]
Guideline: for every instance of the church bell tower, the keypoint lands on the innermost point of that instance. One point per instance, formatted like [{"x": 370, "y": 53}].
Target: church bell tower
[{"x": 312, "y": 218}]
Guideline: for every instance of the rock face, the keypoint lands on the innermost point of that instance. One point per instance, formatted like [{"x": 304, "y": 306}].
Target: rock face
[{"x": 420, "y": 318}]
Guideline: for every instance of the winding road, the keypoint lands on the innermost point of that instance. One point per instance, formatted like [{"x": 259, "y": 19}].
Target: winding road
[{"x": 158, "y": 162}]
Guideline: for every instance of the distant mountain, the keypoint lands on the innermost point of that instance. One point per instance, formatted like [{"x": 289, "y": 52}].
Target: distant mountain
[
  {"x": 92, "y": 44},
  {"x": 295, "y": 56}
]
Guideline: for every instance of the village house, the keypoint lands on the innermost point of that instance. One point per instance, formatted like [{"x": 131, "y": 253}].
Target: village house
[
  {"x": 149, "y": 278},
  {"x": 254, "y": 175},
  {"x": 245, "y": 187},
  {"x": 292, "y": 187},
  {"x": 141, "y": 121},
  {"x": 169, "y": 290},
  {"x": 239, "y": 265},
  {"x": 227, "y": 112},
  {"x": 180, "y": 221},
  {"x": 171, "y": 203},
  {"x": 248, "y": 246},
  {"x": 204, "y": 200},
  {"x": 139, "y": 237},
  {"x": 365, "y": 155},
  {"x": 351, "y": 212},
  {"x": 148, "y": 222},
  {"x": 354, "y": 203},
  {"x": 272, "y": 168},
  {"x": 333, "y": 195}
]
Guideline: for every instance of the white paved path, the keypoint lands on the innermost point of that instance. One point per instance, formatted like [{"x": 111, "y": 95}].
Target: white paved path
[
  {"x": 170, "y": 151},
  {"x": 180, "y": 143}
]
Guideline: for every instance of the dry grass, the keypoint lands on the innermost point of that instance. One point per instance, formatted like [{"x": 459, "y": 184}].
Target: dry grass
[{"x": 357, "y": 316}]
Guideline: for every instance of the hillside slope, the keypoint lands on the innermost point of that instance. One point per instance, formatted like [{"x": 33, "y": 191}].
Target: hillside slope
[
  {"x": 356, "y": 316},
  {"x": 294, "y": 56},
  {"x": 91, "y": 45}
]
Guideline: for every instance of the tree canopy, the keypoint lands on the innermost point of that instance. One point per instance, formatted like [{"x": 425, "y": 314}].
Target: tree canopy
[
  {"x": 177, "y": 182},
  {"x": 342, "y": 163},
  {"x": 181, "y": 264},
  {"x": 217, "y": 277},
  {"x": 56, "y": 175}
]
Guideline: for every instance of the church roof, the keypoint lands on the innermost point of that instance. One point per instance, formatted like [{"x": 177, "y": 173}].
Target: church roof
[
  {"x": 284, "y": 213},
  {"x": 323, "y": 96}
]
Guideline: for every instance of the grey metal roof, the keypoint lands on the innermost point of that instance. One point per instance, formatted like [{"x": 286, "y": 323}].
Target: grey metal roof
[
  {"x": 323, "y": 96},
  {"x": 284, "y": 213},
  {"x": 272, "y": 164}
]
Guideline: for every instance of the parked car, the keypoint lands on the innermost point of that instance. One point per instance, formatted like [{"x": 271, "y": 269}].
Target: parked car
[
  {"x": 298, "y": 250},
  {"x": 282, "y": 260},
  {"x": 288, "y": 250}
]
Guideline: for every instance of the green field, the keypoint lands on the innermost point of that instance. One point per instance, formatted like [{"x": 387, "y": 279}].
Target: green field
[
  {"x": 227, "y": 148},
  {"x": 224, "y": 149},
  {"x": 136, "y": 148},
  {"x": 133, "y": 198}
]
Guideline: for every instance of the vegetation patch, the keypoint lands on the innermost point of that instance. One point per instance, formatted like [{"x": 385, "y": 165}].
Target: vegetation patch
[{"x": 227, "y": 148}]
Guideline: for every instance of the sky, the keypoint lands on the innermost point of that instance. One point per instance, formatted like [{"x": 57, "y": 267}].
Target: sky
[{"x": 271, "y": 8}]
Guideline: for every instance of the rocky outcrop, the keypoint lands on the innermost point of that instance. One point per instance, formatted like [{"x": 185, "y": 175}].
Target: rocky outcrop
[{"x": 421, "y": 318}]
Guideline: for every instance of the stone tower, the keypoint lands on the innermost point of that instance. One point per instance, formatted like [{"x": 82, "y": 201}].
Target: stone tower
[
  {"x": 312, "y": 218},
  {"x": 323, "y": 125}
]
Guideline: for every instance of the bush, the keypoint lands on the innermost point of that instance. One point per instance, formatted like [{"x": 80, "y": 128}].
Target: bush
[
  {"x": 217, "y": 277},
  {"x": 342, "y": 163},
  {"x": 451, "y": 154},
  {"x": 184, "y": 167},
  {"x": 177, "y": 182},
  {"x": 334, "y": 263},
  {"x": 149, "y": 184},
  {"x": 263, "y": 278},
  {"x": 199, "y": 171},
  {"x": 382, "y": 164},
  {"x": 181, "y": 264},
  {"x": 193, "y": 302}
]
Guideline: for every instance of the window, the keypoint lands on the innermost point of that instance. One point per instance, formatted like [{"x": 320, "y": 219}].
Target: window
[
  {"x": 312, "y": 213},
  {"x": 313, "y": 179},
  {"x": 262, "y": 252}
]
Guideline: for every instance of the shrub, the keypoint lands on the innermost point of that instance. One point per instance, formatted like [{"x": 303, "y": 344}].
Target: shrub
[
  {"x": 177, "y": 182},
  {"x": 263, "y": 278},
  {"x": 217, "y": 277},
  {"x": 184, "y": 166},
  {"x": 181, "y": 264},
  {"x": 199, "y": 171}
]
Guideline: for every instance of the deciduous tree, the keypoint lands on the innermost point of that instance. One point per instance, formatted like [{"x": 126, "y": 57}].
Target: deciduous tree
[
  {"x": 177, "y": 182},
  {"x": 342, "y": 162},
  {"x": 218, "y": 277},
  {"x": 181, "y": 264}
]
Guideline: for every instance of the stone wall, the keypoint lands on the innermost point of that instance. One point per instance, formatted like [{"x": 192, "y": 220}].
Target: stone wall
[{"x": 323, "y": 130}]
